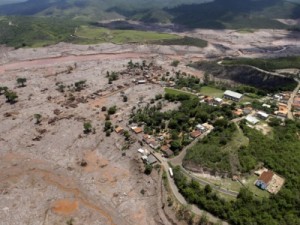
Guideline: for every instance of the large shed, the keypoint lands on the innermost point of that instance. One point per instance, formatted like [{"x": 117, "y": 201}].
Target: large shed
[{"x": 232, "y": 95}]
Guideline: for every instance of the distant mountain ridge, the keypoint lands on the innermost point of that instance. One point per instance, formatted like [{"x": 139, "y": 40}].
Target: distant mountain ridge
[{"x": 218, "y": 14}]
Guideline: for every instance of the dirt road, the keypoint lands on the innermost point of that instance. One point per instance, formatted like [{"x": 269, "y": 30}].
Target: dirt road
[{"x": 290, "y": 102}]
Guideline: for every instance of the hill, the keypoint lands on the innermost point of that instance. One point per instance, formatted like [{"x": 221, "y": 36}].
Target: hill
[{"x": 217, "y": 14}]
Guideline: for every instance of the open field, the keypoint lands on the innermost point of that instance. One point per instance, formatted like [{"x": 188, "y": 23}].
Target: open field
[
  {"x": 100, "y": 35},
  {"x": 211, "y": 91},
  {"x": 178, "y": 92}
]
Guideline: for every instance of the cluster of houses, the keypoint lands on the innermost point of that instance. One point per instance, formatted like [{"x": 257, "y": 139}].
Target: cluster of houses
[
  {"x": 282, "y": 104},
  {"x": 147, "y": 157},
  {"x": 269, "y": 181},
  {"x": 201, "y": 129},
  {"x": 163, "y": 144}
]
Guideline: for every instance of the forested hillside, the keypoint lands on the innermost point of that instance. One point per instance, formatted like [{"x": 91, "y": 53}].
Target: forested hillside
[{"x": 217, "y": 14}]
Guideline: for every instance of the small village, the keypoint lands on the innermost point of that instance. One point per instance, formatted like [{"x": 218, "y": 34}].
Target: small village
[{"x": 156, "y": 147}]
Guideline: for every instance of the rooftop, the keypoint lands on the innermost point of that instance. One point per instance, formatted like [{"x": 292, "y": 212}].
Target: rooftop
[
  {"x": 233, "y": 94},
  {"x": 137, "y": 130},
  {"x": 195, "y": 134},
  {"x": 266, "y": 176},
  {"x": 252, "y": 119}
]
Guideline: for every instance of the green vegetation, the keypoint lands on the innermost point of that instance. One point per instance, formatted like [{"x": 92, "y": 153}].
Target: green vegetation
[
  {"x": 11, "y": 96},
  {"x": 80, "y": 85},
  {"x": 89, "y": 34},
  {"x": 38, "y": 118},
  {"x": 87, "y": 127},
  {"x": 279, "y": 153},
  {"x": 35, "y": 31},
  {"x": 217, "y": 152},
  {"x": 212, "y": 91},
  {"x": 173, "y": 91},
  {"x": 148, "y": 169},
  {"x": 21, "y": 81},
  {"x": 178, "y": 123},
  {"x": 235, "y": 14},
  {"x": 189, "y": 41},
  {"x": 249, "y": 79},
  {"x": 112, "y": 76},
  {"x": 267, "y": 64},
  {"x": 175, "y": 63},
  {"x": 112, "y": 110}
]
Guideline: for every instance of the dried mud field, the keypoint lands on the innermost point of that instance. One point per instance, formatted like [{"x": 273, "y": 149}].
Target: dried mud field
[{"x": 42, "y": 177}]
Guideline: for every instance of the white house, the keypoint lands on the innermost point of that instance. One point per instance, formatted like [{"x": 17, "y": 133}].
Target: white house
[
  {"x": 252, "y": 120},
  {"x": 262, "y": 115}
]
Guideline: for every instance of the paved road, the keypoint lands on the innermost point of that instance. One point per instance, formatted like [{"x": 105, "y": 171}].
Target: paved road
[
  {"x": 179, "y": 197},
  {"x": 290, "y": 102}
]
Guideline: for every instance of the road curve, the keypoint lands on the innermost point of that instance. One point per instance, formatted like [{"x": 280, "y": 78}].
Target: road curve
[{"x": 290, "y": 102}]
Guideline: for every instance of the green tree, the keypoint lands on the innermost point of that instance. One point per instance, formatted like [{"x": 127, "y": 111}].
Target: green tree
[
  {"x": 80, "y": 85},
  {"x": 175, "y": 63},
  {"x": 3, "y": 90},
  {"x": 107, "y": 125},
  {"x": 87, "y": 127},
  {"x": 148, "y": 169},
  {"x": 112, "y": 110},
  {"x": 21, "y": 81},
  {"x": 38, "y": 118},
  {"x": 11, "y": 96}
]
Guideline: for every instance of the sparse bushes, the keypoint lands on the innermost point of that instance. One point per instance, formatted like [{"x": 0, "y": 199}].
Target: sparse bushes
[
  {"x": 112, "y": 76},
  {"x": 80, "y": 85},
  {"x": 11, "y": 96},
  {"x": 107, "y": 126},
  {"x": 112, "y": 110},
  {"x": 148, "y": 169},
  {"x": 3, "y": 90},
  {"x": 21, "y": 81},
  {"x": 38, "y": 118},
  {"x": 175, "y": 63},
  {"x": 87, "y": 127}
]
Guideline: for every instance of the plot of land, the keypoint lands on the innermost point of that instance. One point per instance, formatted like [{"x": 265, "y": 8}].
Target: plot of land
[
  {"x": 211, "y": 91},
  {"x": 101, "y": 35},
  {"x": 178, "y": 92}
]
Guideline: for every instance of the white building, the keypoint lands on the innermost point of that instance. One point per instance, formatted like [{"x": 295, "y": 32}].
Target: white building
[
  {"x": 252, "y": 120},
  {"x": 232, "y": 95},
  {"x": 262, "y": 115},
  {"x": 218, "y": 101}
]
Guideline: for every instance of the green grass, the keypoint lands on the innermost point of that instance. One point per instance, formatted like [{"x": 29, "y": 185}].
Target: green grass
[
  {"x": 211, "y": 91},
  {"x": 188, "y": 41},
  {"x": 255, "y": 190},
  {"x": 101, "y": 35},
  {"x": 177, "y": 92},
  {"x": 238, "y": 140}
]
